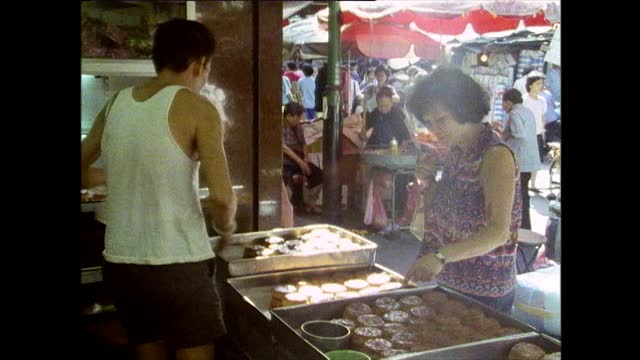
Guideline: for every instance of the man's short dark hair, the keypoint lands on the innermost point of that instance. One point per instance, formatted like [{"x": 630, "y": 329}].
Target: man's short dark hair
[
  {"x": 513, "y": 96},
  {"x": 293, "y": 108},
  {"x": 291, "y": 66},
  {"x": 531, "y": 80},
  {"x": 382, "y": 68},
  {"x": 452, "y": 89},
  {"x": 307, "y": 70},
  {"x": 178, "y": 42},
  {"x": 385, "y": 91}
]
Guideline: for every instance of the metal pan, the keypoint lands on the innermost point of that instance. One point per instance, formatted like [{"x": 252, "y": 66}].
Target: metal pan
[{"x": 233, "y": 264}]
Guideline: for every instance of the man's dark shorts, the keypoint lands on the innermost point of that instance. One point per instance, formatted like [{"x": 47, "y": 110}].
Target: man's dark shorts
[{"x": 177, "y": 303}]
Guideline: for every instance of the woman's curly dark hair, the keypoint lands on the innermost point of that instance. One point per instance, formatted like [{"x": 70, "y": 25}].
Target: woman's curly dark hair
[{"x": 451, "y": 88}]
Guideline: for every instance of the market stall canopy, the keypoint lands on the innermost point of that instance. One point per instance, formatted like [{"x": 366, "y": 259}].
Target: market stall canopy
[{"x": 462, "y": 20}]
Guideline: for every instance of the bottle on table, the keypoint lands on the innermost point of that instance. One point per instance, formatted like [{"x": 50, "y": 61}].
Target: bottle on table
[{"x": 393, "y": 146}]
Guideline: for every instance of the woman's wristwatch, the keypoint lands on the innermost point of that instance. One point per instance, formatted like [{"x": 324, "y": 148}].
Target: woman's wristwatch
[{"x": 440, "y": 257}]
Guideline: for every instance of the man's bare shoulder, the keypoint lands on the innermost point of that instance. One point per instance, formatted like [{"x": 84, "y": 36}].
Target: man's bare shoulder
[{"x": 195, "y": 105}]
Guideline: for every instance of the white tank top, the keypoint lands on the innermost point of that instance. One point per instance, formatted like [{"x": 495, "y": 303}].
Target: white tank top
[{"x": 153, "y": 207}]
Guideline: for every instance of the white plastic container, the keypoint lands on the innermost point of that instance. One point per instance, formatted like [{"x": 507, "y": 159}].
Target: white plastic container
[{"x": 537, "y": 299}]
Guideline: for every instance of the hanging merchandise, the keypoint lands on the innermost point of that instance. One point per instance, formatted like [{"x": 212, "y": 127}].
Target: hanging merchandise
[{"x": 533, "y": 59}]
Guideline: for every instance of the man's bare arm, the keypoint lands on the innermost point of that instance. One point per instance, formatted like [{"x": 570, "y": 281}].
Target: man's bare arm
[
  {"x": 210, "y": 148},
  {"x": 90, "y": 151}
]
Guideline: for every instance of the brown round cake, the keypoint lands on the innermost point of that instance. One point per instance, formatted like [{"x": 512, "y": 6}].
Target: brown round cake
[
  {"x": 369, "y": 320},
  {"x": 353, "y": 310},
  {"x": 385, "y": 304},
  {"x": 392, "y": 352},
  {"x": 377, "y": 346},
  {"x": 404, "y": 340},
  {"x": 506, "y": 331},
  {"x": 396, "y": 316},
  {"x": 407, "y": 302},
  {"x": 391, "y": 285},
  {"x": 434, "y": 298},
  {"x": 389, "y": 329},
  {"x": 422, "y": 312},
  {"x": 362, "y": 334},
  {"x": 526, "y": 351},
  {"x": 488, "y": 326},
  {"x": 447, "y": 320},
  {"x": 454, "y": 307},
  {"x": 345, "y": 322},
  {"x": 473, "y": 315}
]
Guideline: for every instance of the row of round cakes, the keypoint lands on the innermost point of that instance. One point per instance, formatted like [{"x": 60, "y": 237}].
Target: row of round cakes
[
  {"x": 304, "y": 292},
  {"x": 393, "y": 325},
  {"x": 318, "y": 240}
]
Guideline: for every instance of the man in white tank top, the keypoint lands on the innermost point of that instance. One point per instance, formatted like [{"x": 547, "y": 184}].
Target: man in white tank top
[{"x": 153, "y": 139}]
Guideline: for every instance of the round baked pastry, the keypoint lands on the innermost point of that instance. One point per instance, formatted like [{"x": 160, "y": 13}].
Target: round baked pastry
[
  {"x": 353, "y": 310},
  {"x": 321, "y": 297},
  {"x": 526, "y": 351},
  {"x": 422, "y": 312},
  {"x": 369, "y": 320},
  {"x": 447, "y": 320},
  {"x": 310, "y": 290},
  {"x": 489, "y": 326},
  {"x": 378, "y": 279},
  {"x": 552, "y": 356},
  {"x": 266, "y": 252},
  {"x": 291, "y": 244},
  {"x": 279, "y": 291},
  {"x": 385, "y": 304},
  {"x": 407, "y": 302},
  {"x": 392, "y": 352},
  {"x": 346, "y": 295},
  {"x": 333, "y": 288},
  {"x": 377, "y": 346},
  {"x": 362, "y": 334},
  {"x": 454, "y": 307},
  {"x": 356, "y": 284},
  {"x": 389, "y": 329},
  {"x": 274, "y": 240},
  {"x": 345, "y": 322},
  {"x": 253, "y": 251},
  {"x": 275, "y": 303},
  {"x": 302, "y": 283},
  {"x": 404, "y": 340},
  {"x": 436, "y": 338},
  {"x": 473, "y": 315},
  {"x": 434, "y": 298},
  {"x": 391, "y": 285},
  {"x": 396, "y": 316},
  {"x": 369, "y": 290},
  {"x": 294, "y": 299},
  {"x": 506, "y": 331}
]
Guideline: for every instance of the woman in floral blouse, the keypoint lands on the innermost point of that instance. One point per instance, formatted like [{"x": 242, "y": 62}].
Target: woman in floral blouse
[{"x": 474, "y": 211}]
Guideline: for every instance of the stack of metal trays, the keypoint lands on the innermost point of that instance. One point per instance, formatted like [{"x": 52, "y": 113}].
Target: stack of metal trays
[
  {"x": 250, "y": 297},
  {"x": 286, "y": 324},
  {"x": 232, "y": 262}
]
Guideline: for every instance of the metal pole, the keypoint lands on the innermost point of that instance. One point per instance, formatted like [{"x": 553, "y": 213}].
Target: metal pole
[{"x": 331, "y": 187}]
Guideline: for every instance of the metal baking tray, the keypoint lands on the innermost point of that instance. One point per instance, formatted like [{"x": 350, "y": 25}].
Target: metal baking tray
[
  {"x": 492, "y": 349},
  {"x": 286, "y": 323},
  {"x": 233, "y": 264},
  {"x": 256, "y": 289},
  {"x": 250, "y": 297}
]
